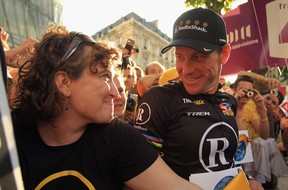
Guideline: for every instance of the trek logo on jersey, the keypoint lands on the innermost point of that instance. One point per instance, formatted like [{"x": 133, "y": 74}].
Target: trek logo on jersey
[
  {"x": 201, "y": 113},
  {"x": 196, "y": 102},
  {"x": 226, "y": 109}
]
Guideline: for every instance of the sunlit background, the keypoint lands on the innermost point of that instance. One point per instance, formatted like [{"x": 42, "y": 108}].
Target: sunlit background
[{"x": 90, "y": 16}]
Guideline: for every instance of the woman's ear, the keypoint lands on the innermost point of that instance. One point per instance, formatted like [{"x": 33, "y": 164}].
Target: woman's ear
[
  {"x": 63, "y": 82},
  {"x": 225, "y": 53}
]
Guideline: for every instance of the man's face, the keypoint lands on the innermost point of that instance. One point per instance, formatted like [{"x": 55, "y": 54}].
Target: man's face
[
  {"x": 199, "y": 72},
  {"x": 244, "y": 86},
  {"x": 154, "y": 69},
  {"x": 129, "y": 78}
]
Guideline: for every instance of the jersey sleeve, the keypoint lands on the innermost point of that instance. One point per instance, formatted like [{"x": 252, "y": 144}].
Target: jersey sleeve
[
  {"x": 154, "y": 114},
  {"x": 134, "y": 155}
]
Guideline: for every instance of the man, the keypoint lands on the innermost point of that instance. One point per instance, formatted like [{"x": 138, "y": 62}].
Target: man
[
  {"x": 153, "y": 71},
  {"x": 253, "y": 120},
  {"x": 191, "y": 123},
  {"x": 154, "y": 67},
  {"x": 283, "y": 109}
]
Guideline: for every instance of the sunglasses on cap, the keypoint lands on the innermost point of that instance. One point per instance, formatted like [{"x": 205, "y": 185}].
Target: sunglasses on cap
[{"x": 73, "y": 46}]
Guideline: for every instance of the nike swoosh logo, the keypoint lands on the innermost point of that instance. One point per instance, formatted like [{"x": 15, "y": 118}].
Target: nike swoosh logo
[
  {"x": 206, "y": 49},
  {"x": 223, "y": 99}
]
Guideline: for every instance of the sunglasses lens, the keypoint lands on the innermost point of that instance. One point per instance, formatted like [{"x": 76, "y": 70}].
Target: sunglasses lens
[{"x": 77, "y": 40}]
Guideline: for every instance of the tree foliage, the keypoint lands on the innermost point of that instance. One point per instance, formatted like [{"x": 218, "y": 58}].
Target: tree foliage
[{"x": 218, "y": 6}]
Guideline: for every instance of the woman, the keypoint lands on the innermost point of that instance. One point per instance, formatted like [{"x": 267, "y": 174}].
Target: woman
[
  {"x": 120, "y": 101},
  {"x": 63, "y": 121}
]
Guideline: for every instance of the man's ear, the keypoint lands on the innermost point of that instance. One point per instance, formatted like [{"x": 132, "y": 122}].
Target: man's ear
[
  {"x": 63, "y": 82},
  {"x": 225, "y": 54}
]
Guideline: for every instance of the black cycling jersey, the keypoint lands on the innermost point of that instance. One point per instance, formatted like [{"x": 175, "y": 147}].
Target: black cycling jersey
[{"x": 192, "y": 133}]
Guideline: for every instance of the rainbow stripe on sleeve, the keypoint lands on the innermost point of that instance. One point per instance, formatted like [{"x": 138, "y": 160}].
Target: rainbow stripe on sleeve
[{"x": 157, "y": 142}]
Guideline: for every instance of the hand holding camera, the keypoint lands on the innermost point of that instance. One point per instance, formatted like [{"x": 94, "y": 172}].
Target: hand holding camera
[
  {"x": 132, "y": 101},
  {"x": 249, "y": 94}
]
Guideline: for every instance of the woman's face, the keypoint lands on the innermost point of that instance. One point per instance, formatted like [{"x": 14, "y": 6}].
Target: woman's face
[
  {"x": 91, "y": 96},
  {"x": 120, "y": 102},
  {"x": 271, "y": 102}
]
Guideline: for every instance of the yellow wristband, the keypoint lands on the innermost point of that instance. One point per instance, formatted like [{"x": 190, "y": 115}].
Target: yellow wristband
[{"x": 264, "y": 119}]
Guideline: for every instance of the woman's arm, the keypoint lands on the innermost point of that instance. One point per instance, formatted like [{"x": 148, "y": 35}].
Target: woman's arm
[{"x": 158, "y": 177}]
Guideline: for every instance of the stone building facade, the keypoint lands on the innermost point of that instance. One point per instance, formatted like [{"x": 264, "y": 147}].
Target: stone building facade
[
  {"x": 28, "y": 18},
  {"x": 148, "y": 39}
]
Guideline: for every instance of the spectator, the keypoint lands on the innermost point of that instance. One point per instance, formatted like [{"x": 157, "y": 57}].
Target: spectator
[
  {"x": 253, "y": 120},
  {"x": 4, "y": 38},
  {"x": 120, "y": 102},
  {"x": 283, "y": 112},
  {"x": 271, "y": 83},
  {"x": 267, "y": 165},
  {"x": 154, "y": 67},
  {"x": 139, "y": 72},
  {"x": 152, "y": 73},
  {"x": 146, "y": 82},
  {"x": 63, "y": 122},
  {"x": 223, "y": 86},
  {"x": 191, "y": 124},
  {"x": 15, "y": 57},
  {"x": 130, "y": 79}
]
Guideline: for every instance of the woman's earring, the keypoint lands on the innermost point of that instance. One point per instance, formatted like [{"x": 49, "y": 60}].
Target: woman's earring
[{"x": 67, "y": 106}]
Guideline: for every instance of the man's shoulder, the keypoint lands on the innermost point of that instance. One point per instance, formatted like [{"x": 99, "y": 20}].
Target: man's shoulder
[{"x": 169, "y": 88}]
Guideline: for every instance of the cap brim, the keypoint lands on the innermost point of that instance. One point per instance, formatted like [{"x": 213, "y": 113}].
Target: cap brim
[{"x": 202, "y": 46}]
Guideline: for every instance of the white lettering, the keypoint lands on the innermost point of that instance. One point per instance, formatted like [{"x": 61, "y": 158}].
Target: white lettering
[
  {"x": 198, "y": 113},
  {"x": 185, "y": 100},
  {"x": 139, "y": 115},
  {"x": 213, "y": 151},
  {"x": 190, "y": 27}
]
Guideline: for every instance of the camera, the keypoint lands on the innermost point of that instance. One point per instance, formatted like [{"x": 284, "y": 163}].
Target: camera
[
  {"x": 132, "y": 101},
  {"x": 125, "y": 60},
  {"x": 274, "y": 92},
  {"x": 249, "y": 94}
]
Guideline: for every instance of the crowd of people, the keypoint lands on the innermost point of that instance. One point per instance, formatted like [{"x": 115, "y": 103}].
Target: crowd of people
[{"x": 82, "y": 120}]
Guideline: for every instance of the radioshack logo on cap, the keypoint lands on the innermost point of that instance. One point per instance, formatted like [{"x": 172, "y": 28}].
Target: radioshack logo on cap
[
  {"x": 284, "y": 108},
  {"x": 196, "y": 25}
]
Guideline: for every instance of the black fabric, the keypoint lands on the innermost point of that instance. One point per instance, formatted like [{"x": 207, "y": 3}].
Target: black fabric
[
  {"x": 103, "y": 158},
  {"x": 192, "y": 129},
  {"x": 3, "y": 64}
]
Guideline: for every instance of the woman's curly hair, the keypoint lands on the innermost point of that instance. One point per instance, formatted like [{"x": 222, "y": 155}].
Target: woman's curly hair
[{"x": 38, "y": 97}]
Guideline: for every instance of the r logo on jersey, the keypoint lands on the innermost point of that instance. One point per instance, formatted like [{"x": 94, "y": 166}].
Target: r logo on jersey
[
  {"x": 217, "y": 149},
  {"x": 143, "y": 114}
]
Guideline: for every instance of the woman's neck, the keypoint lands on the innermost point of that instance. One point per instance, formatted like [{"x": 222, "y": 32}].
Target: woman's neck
[{"x": 59, "y": 134}]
